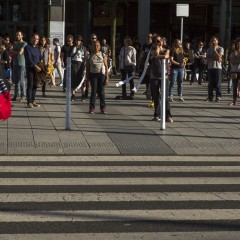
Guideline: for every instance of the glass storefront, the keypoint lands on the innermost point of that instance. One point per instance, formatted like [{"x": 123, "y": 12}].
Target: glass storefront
[{"x": 27, "y": 16}]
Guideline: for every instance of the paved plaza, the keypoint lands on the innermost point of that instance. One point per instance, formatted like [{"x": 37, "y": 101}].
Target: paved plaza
[{"x": 199, "y": 128}]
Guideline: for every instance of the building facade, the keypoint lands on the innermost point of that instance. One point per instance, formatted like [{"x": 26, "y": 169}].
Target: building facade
[{"x": 136, "y": 19}]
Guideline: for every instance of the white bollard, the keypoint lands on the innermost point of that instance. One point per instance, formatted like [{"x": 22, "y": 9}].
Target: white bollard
[
  {"x": 68, "y": 94},
  {"x": 163, "y": 96}
]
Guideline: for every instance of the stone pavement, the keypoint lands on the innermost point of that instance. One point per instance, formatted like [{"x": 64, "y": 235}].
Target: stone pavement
[{"x": 199, "y": 128}]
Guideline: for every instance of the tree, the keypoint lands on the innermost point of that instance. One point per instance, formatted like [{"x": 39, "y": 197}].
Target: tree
[{"x": 110, "y": 6}]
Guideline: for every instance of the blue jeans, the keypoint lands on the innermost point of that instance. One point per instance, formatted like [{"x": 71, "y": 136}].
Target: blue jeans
[
  {"x": 176, "y": 74},
  {"x": 214, "y": 81},
  {"x": 97, "y": 81},
  {"x": 19, "y": 81}
]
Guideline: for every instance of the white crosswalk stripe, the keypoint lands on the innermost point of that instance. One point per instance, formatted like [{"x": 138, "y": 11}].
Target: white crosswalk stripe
[{"x": 108, "y": 198}]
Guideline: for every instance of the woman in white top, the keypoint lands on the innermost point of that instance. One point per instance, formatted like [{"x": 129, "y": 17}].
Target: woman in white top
[
  {"x": 79, "y": 56},
  {"x": 98, "y": 76}
]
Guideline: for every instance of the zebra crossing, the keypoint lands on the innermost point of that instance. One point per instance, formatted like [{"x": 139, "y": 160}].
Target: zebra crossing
[{"x": 119, "y": 197}]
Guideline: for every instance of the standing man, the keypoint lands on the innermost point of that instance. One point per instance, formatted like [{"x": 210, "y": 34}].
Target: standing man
[
  {"x": 145, "y": 49},
  {"x": 57, "y": 59},
  {"x": 32, "y": 55},
  {"x": 19, "y": 68},
  {"x": 214, "y": 58},
  {"x": 65, "y": 53}
]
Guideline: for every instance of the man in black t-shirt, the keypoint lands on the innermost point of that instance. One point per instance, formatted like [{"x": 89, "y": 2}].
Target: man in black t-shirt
[{"x": 65, "y": 53}]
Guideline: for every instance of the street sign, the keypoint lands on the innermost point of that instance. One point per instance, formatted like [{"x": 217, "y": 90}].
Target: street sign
[{"x": 182, "y": 10}]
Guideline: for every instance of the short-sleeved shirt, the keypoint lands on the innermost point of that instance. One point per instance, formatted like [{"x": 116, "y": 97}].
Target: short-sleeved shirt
[
  {"x": 177, "y": 57},
  {"x": 197, "y": 61},
  {"x": 214, "y": 64},
  {"x": 96, "y": 62},
  {"x": 19, "y": 60},
  {"x": 57, "y": 50}
]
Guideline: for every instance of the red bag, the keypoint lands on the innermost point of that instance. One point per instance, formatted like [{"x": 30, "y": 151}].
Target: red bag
[{"x": 5, "y": 106}]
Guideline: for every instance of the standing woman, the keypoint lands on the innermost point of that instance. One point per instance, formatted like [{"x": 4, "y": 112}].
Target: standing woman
[
  {"x": 235, "y": 71},
  {"x": 127, "y": 60},
  {"x": 177, "y": 69},
  {"x": 79, "y": 56},
  {"x": 98, "y": 62},
  {"x": 47, "y": 57},
  {"x": 158, "y": 53}
]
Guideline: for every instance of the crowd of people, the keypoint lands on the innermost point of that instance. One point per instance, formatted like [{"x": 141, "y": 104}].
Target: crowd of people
[{"x": 91, "y": 64}]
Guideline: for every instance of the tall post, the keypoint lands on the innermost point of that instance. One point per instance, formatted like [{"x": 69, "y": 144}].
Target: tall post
[
  {"x": 182, "y": 10},
  {"x": 163, "y": 96},
  {"x": 225, "y": 25},
  {"x": 181, "y": 29},
  {"x": 68, "y": 95},
  {"x": 143, "y": 19}
]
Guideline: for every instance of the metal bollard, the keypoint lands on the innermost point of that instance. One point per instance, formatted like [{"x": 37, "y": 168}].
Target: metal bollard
[
  {"x": 68, "y": 95},
  {"x": 163, "y": 96}
]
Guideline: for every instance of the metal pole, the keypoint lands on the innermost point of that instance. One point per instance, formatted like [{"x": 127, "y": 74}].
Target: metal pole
[
  {"x": 181, "y": 29},
  {"x": 163, "y": 96},
  {"x": 68, "y": 95},
  {"x": 63, "y": 19}
]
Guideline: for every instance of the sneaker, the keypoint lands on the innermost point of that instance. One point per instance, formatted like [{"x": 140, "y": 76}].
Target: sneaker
[
  {"x": 35, "y": 104},
  {"x": 91, "y": 111},
  {"x": 181, "y": 99},
  {"x": 44, "y": 94},
  {"x": 73, "y": 98},
  {"x": 171, "y": 99},
  {"x": 170, "y": 120},
  {"x": 30, "y": 105},
  {"x": 156, "y": 119},
  {"x": 22, "y": 100},
  {"x": 218, "y": 99},
  {"x": 14, "y": 99},
  {"x": 103, "y": 111},
  {"x": 232, "y": 104},
  {"x": 208, "y": 100},
  {"x": 61, "y": 84},
  {"x": 151, "y": 104}
]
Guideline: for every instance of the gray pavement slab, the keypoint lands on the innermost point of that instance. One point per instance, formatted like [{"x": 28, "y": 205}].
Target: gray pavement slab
[{"x": 199, "y": 128}]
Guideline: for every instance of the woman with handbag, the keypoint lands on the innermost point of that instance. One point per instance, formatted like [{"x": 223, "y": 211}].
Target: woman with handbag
[
  {"x": 235, "y": 71},
  {"x": 98, "y": 75},
  {"x": 47, "y": 56},
  {"x": 5, "y": 102},
  {"x": 127, "y": 61}
]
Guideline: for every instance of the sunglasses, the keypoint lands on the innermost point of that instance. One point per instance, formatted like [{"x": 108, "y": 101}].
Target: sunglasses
[
  {"x": 93, "y": 38},
  {"x": 158, "y": 41}
]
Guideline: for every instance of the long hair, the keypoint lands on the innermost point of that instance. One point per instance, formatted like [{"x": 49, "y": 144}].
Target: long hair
[{"x": 176, "y": 48}]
